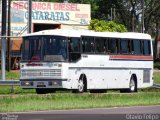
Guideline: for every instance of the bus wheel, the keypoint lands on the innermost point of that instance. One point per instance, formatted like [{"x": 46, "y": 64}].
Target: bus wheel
[
  {"x": 132, "y": 85},
  {"x": 80, "y": 86},
  {"x": 40, "y": 91},
  {"x": 98, "y": 91}
]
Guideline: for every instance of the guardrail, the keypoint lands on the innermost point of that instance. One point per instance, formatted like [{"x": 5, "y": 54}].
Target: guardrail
[
  {"x": 156, "y": 85},
  {"x": 10, "y": 83}
]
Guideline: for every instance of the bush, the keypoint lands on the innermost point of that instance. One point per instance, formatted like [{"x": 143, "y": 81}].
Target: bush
[
  {"x": 157, "y": 65},
  {"x": 104, "y": 26}
]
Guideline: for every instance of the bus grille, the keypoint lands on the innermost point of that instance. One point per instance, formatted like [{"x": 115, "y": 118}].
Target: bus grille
[{"x": 52, "y": 73}]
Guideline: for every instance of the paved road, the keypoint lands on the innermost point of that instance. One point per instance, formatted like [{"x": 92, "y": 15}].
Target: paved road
[{"x": 116, "y": 113}]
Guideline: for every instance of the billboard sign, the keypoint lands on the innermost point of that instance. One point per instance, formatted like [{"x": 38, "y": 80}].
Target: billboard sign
[{"x": 48, "y": 12}]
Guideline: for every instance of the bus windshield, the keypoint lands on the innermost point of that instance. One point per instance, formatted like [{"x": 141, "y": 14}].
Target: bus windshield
[{"x": 44, "y": 48}]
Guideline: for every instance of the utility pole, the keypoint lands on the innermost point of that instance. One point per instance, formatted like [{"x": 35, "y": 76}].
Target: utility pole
[
  {"x": 114, "y": 14},
  {"x": 29, "y": 16},
  {"x": 155, "y": 43},
  {"x": 111, "y": 14},
  {"x": 8, "y": 33},
  {"x": 132, "y": 19},
  {"x": 66, "y": 1},
  {"x": 133, "y": 23},
  {"x": 3, "y": 39},
  {"x": 142, "y": 24}
]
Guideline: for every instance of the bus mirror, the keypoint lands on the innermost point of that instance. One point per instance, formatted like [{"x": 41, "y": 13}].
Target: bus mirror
[
  {"x": 132, "y": 52},
  {"x": 21, "y": 49},
  {"x": 108, "y": 51}
]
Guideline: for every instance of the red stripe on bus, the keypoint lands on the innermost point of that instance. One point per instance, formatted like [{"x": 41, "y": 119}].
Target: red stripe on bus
[{"x": 128, "y": 57}]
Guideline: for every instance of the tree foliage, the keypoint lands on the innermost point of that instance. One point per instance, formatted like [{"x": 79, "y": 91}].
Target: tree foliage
[
  {"x": 103, "y": 26},
  {"x": 126, "y": 12}
]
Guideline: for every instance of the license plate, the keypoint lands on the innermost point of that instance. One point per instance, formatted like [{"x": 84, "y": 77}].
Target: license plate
[{"x": 40, "y": 83}]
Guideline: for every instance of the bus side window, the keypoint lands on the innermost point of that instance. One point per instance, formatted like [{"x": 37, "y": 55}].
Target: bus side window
[
  {"x": 146, "y": 47},
  {"x": 100, "y": 45},
  {"x": 136, "y": 47},
  {"x": 149, "y": 47},
  {"x": 70, "y": 46},
  {"x": 74, "y": 49},
  {"x": 124, "y": 46},
  {"x": 88, "y": 45},
  {"x": 106, "y": 46},
  {"x": 113, "y": 46},
  {"x": 130, "y": 46}
]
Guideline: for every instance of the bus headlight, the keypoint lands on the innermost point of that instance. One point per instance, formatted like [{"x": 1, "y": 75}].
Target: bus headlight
[
  {"x": 52, "y": 83},
  {"x": 22, "y": 66},
  {"x": 59, "y": 65},
  {"x": 55, "y": 83},
  {"x": 27, "y": 83}
]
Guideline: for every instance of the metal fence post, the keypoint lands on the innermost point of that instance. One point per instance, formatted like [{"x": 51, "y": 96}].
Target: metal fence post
[
  {"x": 3, "y": 40},
  {"x": 29, "y": 16}
]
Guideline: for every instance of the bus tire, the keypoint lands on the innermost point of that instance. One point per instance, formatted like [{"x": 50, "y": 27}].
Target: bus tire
[
  {"x": 50, "y": 90},
  {"x": 132, "y": 85},
  {"x": 40, "y": 91},
  {"x": 98, "y": 91},
  {"x": 82, "y": 84}
]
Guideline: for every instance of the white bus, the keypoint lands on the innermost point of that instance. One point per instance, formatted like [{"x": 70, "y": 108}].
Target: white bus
[{"x": 84, "y": 60}]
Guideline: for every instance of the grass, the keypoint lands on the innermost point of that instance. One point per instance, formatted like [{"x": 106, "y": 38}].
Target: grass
[
  {"x": 157, "y": 77},
  {"x": 74, "y": 101},
  {"x": 4, "y": 90},
  {"x": 15, "y": 90},
  {"x": 12, "y": 75}
]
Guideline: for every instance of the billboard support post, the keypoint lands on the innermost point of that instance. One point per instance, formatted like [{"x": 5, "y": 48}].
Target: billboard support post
[
  {"x": 29, "y": 16},
  {"x": 9, "y": 40},
  {"x": 3, "y": 40}
]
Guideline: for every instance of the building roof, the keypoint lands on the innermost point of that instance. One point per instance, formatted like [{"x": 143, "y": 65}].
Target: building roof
[{"x": 16, "y": 44}]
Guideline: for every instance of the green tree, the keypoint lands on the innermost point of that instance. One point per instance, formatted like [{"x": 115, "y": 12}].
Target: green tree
[
  {"x": 126, "y": 12},
  {"x": 102, "y": 25}
]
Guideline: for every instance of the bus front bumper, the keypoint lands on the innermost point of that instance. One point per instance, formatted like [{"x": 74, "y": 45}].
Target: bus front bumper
[{"x": 42, "y": 83}]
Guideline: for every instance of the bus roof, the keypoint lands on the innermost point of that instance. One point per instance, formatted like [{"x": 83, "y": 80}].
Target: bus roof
[
  {"x": 79, "y": 33},
  {"x": 131, "y": 35},
  {"x": 59, "y": 32}
]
